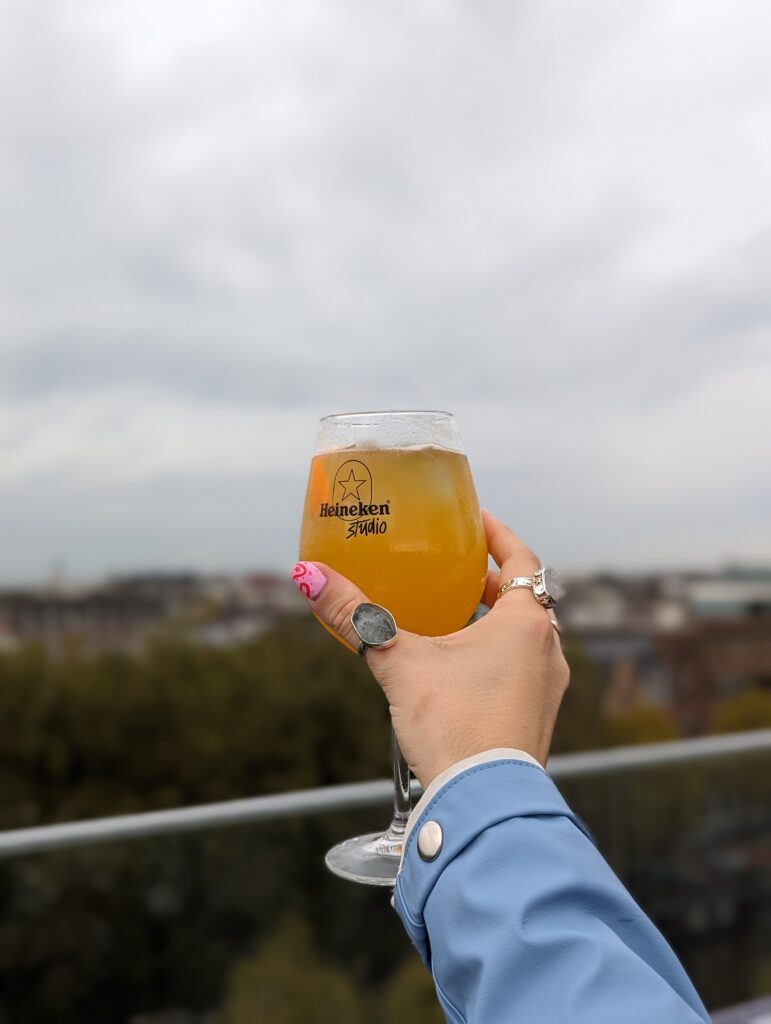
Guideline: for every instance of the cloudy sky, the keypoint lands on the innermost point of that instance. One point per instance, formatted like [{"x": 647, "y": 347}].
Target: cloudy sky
[{"x": 222, "y": 220}]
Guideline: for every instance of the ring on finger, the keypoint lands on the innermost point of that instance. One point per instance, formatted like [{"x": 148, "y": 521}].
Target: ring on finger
[
  {"x": 543, "y": 584},
  {"x": 375, "y": 627}
]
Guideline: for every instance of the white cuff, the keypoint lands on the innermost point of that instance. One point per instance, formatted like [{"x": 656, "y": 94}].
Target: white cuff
[{"x": 498, "y": 754}]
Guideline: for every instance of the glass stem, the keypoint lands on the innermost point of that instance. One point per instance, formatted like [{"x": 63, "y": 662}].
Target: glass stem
[{"x": 402, "y": 799}]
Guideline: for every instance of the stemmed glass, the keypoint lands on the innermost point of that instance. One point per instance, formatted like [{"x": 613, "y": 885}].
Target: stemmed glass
[{"x": 391, "y": 505}]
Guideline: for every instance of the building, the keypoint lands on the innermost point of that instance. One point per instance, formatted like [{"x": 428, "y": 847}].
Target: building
[
  {"x": 684, "y": 642},
  {"x": 124, "y": 613}
]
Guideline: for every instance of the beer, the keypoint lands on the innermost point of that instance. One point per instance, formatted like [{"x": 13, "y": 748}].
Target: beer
[{"x": 402, "y": 523}]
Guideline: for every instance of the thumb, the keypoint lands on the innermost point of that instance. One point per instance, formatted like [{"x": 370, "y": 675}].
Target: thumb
[{"x": 332, "y": 598}]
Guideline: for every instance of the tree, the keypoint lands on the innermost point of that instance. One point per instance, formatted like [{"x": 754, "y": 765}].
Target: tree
[
  {"x": 643, "y": 724},
  {"x": 286, "y": 982},
  {"x": 409, "y": 997},
  {"x": 580, "y": 723},
  {"x": 750, "y": 710}
]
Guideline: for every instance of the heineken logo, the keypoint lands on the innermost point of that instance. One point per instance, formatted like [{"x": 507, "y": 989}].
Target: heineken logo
[{"x": 354, "y": 503}]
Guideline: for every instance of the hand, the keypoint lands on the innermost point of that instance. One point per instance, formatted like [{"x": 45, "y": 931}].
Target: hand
[{"x": 496, "y": 683}]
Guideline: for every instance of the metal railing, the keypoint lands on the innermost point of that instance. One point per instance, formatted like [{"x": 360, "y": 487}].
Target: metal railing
[{"x": 305, "y": 802}]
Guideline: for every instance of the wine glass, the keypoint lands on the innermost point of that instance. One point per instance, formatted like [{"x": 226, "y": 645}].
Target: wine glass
[{"x": 391, "y": 505}]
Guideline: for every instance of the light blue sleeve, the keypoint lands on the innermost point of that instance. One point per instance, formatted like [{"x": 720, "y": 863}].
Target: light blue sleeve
[{"x": 520, "y": 919}]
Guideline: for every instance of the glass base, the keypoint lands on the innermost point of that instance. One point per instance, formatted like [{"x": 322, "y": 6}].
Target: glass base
[{"x": 371, "y": 860}]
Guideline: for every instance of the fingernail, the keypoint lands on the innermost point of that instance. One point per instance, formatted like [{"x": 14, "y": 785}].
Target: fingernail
[{"x": 308, "y": 579}]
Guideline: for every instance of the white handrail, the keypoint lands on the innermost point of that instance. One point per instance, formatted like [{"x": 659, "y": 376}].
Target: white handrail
[{"x": 327, "y": 799}]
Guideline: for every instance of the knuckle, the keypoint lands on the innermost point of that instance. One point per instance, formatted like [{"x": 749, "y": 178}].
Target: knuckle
[
  {"x": 443, "y": 643},
  {"x": 340, "y": 614},
  {"x": 540, "y": 627},
  {"x": 532, "y": 556}
]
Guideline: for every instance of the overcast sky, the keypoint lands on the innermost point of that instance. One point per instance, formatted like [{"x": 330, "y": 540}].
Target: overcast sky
[{"x": 222, "y": 220}]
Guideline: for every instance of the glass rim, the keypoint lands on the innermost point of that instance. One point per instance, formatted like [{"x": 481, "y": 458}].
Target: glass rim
[
  {"x": 434, "y": 413},
  {"x": 388, "y": 428}
]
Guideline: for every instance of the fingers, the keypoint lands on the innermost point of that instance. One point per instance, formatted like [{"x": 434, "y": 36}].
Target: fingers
[
  {"x": 512, "y": 556},
  {"x": 492, "y": 585},
  {"x": 333, "y": 598}
]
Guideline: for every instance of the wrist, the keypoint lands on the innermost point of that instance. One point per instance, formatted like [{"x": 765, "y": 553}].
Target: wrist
[
  {"x": 530, "y": 747},
  {"x": 446, "y": 775}
]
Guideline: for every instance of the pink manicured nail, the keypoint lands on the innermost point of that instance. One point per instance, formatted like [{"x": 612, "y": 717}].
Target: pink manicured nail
[{"x": 308, "y": 579}]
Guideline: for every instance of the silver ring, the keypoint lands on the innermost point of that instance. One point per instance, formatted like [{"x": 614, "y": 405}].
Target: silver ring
[
  {"x": 374, "y": 625},
  {"x": 516, "y": 581},
  {"x": 543, "y": 584}
]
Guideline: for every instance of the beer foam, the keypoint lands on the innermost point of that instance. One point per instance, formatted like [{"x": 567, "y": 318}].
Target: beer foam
[{"x": 373, "y": 430}]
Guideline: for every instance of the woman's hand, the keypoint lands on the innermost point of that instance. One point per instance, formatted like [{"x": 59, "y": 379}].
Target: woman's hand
[{"x": 496, "y": 683}]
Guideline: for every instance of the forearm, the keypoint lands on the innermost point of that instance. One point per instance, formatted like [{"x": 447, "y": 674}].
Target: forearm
[{"x": 520, "y": 919}]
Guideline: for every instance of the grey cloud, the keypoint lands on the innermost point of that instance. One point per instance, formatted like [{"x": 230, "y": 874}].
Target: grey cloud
[{"x": 252, "y": 207}]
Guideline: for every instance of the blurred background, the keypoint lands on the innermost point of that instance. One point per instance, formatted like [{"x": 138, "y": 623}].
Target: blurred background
[{"x": 222, "y": 221}]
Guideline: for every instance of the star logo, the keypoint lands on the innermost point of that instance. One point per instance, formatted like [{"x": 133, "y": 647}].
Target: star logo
[
  {"x": 351, "y": 491},
  {"x": 351, "y": 486}
]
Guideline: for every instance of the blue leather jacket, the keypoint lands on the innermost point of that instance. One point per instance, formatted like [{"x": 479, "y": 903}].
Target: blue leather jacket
[{"x": 520, "y": 919}]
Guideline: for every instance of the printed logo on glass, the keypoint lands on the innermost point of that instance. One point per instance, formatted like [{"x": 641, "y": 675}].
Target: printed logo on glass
[{"x": 353, "y": 501}]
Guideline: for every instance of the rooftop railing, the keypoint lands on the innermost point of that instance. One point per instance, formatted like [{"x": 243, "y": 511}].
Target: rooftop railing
[{"x": 307, "y": 802}]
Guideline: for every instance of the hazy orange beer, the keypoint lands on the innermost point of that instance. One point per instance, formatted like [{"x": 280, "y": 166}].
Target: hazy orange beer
[{"x": 403, "y": 523}]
